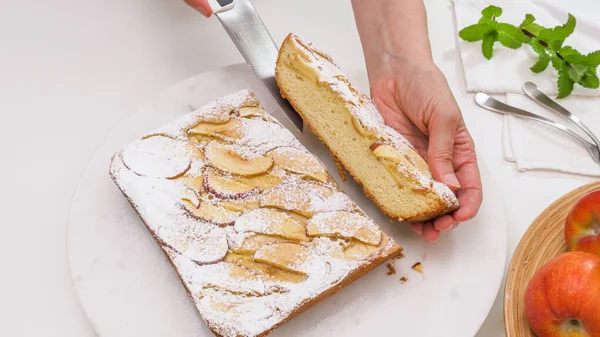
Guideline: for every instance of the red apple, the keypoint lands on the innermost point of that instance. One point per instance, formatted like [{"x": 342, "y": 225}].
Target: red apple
[
  {"x": 582, "y": 229},
  {"x": 563, "y": 297}
]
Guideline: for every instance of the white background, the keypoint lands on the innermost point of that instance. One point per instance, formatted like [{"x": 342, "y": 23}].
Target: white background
[{"x": 71, "y": 70}]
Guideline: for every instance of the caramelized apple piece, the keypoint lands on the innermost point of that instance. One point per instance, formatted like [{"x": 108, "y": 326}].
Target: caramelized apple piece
[
  {"x": 230, "y": 277},
  {"x": 298, "y": 161},
  {"x": 211, "y": 213},
  {"x": 254, "y": 242},
  {"x": 232, "y": 129},
  {"x": 359, "y": 251},
  {"x": 215, "y": 116},
  {"x": 263, "y": 182},
  {"x": 271, "y": 222},
  {"x": 300, "y": 218},
  {"x": 158, "y": 156},
  {"x": 226, "y": 188},
  {"x": 400, "y": 167},
  {"x": 226, "y": 159},
  {"x": 251, "y": 111},
  {"x": 268, "y": 272},
  {"x": 240, "y": 205},
  {"x": 360, "y": 129},
  {"x": 191, "y": 196},
  {"x": 223, "y": 276},
  {"x": 206, "y": 250},
  {"x": 285, "y": 255},
  {"x": 194, "y": 182},
  {"x": 346, "y": 225},
  {"x": 306, "y": 198}
]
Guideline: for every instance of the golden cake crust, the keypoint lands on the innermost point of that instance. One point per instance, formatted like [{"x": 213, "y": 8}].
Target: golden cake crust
[{"x": 441, "y": 202}]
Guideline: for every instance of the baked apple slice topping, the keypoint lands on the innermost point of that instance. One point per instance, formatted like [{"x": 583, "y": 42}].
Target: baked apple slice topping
[
  {"x": 212, "y": 213},
  {"x": 253, "y": 243},
  {"x": 306, "y": 198},
  {"x": 209, "y": 249},
  {"x": 251, "y": 111},
  {"x": 346, "y": 225},
  {"x": 230, "y": 277},
  {"x": 360, "y": 128},
  {"x": 226, "y": 188},
  {"x": 401, "y": 168},
  {"x": 298, "y": 161},
  {"x": 240, "y": 205},
  {"x": 267, "y": 272},
  {"x": 357, "y": 250},
  {"x": 158, "y": 156},
  {"x": 194, "y": 182},
  {"x": 288, "y": 256},
  {"x": 191, "y": 197},
  {"x": 226, "y": 159},
  {"x": 271, "y": 222},
  {"x": 264, "y": 181},
  {"x": 230, "y": 130}
]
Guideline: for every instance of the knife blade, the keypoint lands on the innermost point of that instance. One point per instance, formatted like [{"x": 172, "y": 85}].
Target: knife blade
[{"x": 249, "y": 34}]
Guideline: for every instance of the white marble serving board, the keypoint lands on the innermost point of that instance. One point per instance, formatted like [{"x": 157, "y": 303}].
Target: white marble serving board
[{"x": 127, "y": 287}]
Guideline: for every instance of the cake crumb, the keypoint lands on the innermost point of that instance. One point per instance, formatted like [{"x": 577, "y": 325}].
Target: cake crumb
[
  {"x": 391, "y": 269},
  {"x": 403, "y": 280},
  {"x": 418, "y": 267}
]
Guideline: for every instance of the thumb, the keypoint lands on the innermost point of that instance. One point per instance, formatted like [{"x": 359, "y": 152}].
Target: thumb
[
  {"x": 442, "y": 129},
  {"x": 201, "y": 6}
]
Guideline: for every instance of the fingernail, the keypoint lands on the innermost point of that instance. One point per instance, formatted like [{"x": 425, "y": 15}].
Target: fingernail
[
  {"x": 451, "y": 180},
  {"x": 455, "y": 224},
  {"x": 449, "y": 227},
  {"x": 203, "y": 11}
]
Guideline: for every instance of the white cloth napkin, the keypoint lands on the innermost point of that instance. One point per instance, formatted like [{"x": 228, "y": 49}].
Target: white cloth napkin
[{"x": 529, "y": 145}]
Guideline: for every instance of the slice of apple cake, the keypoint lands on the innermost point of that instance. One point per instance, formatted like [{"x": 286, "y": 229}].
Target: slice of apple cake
[
  {"x": 390, "y": 170},
  {"x": 254, "y": 225}
]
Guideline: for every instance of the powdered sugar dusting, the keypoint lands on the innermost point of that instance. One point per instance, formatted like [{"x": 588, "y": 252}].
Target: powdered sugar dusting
[
  {"x": 345, "y": 224},
  {"x": 234, "y": 299},
  {"x": 157, "y": 157}
]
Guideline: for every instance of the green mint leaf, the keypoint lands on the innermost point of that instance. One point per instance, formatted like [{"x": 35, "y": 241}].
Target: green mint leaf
[
  {"x": 576, "y": 72},
  {"x": 559, "y": 32},
  {"x": 474, "y": 32},
  {"x": 491, "y": 11},
  {"x": 544, "y": 57},
  {"x": 565, "y": 83},
  {"x": 571, "y": 55},
  {"x": 537, "y": 47},
  {"x": 485, "y": 20},
  {"x": 590, "y": 80},
  {"x": 593, "y": 59},
  {"x": 556, "y": 44},
  {"x": 487, "y": 47},
  {"x": 534, "y": 28},
  {"x": 510, "y": 36},
  {"x": 541, "y": 64},
  {"x": 557, "y": 63},
  {"x": 529, "y": 19}
]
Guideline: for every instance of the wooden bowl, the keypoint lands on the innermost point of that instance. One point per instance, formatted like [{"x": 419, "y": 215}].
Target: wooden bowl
[{"x": 543, "y": 241}]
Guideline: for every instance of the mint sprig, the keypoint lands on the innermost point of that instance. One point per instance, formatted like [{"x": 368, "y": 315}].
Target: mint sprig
[{"x": 548, "y": 43}]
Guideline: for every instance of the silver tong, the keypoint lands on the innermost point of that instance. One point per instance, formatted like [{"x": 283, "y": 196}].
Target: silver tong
[{"x": 532, "y": 91}]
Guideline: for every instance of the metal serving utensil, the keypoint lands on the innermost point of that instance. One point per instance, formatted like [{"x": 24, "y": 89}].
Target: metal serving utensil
[
  {"x": 494, "y": 105},
  {"x": 532, "y": 91},
  {"x": 248, "y": 32}
]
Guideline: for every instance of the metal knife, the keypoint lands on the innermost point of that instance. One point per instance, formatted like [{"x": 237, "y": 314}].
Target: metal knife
[{"x": 256, "y": 45}]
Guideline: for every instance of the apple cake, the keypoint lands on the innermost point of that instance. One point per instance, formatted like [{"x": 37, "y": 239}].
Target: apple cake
[
  {"x": 254, "y": 225},
  {"x": 390, "y": 170}
]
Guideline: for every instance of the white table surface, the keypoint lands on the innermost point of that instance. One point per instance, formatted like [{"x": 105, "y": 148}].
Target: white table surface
[{"x": 71, "y": 70}]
